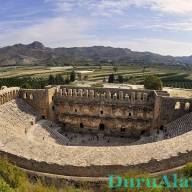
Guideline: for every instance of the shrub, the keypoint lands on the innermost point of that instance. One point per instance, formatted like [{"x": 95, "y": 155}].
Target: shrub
[
  {"x": 187, "y": 170},
  {"x": 153, "y": 82}
]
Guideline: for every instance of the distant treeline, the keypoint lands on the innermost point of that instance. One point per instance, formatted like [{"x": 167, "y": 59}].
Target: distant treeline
[{"x": 37, "y": 83}]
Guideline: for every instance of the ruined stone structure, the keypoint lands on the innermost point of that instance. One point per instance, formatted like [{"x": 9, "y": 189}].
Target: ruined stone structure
[
  {"x": 38, "y": 146},
  {"x": 123, "y": 112},
  {"x": 8, "y": 94}
]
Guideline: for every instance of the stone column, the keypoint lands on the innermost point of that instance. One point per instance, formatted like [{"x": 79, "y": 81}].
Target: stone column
[
  {"x": 121, "y": 95},
  {"x": 109, "y": 95},
  {"x": 145, "y": 97},
  {"x": 74, "y": 93},
  {"x": 80, "y": 93},
  {"x": 132, "y": 97},
  {"x": 70, "y": 92},
  {"x": 139, "y": 96},
  {"x": 86, "y": 93},
  {"x": 92, "y": 94},
  {"x": 115, "y": 96},
  {"x": 127, "y": 97}
]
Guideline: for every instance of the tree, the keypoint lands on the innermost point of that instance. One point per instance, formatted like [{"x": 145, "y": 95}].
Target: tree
[
  {"x": 115, "y": 69},
  {"x": 72, "y": 76},
  {"x": 153, "y": 82},
  {"x": 67, "y": 80},
  {"x": 59, "y": 80},
  {"x": 51, "y": 80},
  {"x": 144, "y": 69},
  {"x": 111, "y": 78},
  {"x": 120, "y": 79},
  {"x": 26, "y": 86}
]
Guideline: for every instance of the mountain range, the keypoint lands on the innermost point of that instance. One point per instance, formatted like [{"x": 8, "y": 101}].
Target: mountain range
[{"x": 37, "y": 54}]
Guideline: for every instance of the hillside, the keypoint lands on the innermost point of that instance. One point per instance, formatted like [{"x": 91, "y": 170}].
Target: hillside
[{"x": 37, "y": 54}]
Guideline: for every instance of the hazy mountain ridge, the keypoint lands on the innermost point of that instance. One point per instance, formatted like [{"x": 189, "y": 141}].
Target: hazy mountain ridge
[{"x": 37, "y": 54}]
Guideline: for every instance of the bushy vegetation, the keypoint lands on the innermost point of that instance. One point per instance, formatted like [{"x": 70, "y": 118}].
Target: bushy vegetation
[
  {"x": 12, "y": 179},
  {"x": 187, "y": 170},
  {"x": 153, "y": 82},
  {"x": 177, "y": 81},
  {"x": 38, "y": 82}
]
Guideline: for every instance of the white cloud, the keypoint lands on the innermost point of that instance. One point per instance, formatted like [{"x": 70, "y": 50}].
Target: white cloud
[
  {"x": 59, "y": 32},
  {"x": 173, "y": 6},
  {"x": 168, "y": 6},
  {"x": 160, "y": 26},
  {"x": 107, "y": 7},
  {"x": 53, "y": 32}
]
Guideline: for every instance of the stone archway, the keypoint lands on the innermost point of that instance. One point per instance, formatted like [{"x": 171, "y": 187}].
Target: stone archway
[
  {"x": 81, "y": 125},
  {"x": 101, "y": 127},
  {"x": 162, "y": 128}
]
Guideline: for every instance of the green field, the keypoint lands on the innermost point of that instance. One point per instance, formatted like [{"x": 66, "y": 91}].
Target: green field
[{"x": 172, "y": 76}]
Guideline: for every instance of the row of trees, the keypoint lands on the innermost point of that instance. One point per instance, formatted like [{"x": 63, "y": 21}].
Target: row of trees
[
  {"x": 37, "y": 83},
  {"x": 59, "y": 79}
]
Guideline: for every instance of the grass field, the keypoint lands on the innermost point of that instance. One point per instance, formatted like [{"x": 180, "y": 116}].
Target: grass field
[{"x": 171, "y": 76}]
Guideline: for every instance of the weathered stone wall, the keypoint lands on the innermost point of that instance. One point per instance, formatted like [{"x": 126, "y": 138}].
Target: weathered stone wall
[
  {"x": 124, "y": 112},
  {"x": 37, "y": 98},
  {"x": 171, "y": 108},
  {"x": 40, "y": 99},
  {"x": 8, "y": 94},
  {"x": 110, "y": 111},
  {"x": 98, "y": 171}
]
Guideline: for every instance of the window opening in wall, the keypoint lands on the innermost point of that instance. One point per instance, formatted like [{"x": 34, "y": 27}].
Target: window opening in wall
[
  {"x": 101, "y": 127},
  {"x": 129, "y": 114},
  {"x": 122, "y": 129},
  {"x": 162, "y": 128},
  {"x": 24, "y": 95},
  {"x": 31, "y": 97},
  {"x": 75, "y": 110},
  {"x": 142, "y": 132},
  {"x": 187, "y": 106},
  {"x": 177, "y": 105},
  {"x": 101, "y": 112},
  {"x": 81, "y": 125}
]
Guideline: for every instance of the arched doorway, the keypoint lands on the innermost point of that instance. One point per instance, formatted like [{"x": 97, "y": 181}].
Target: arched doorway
[
  {"x": 101, "y": 127},
  {"x": 122, "y": 129},
  {"x": 162, "y": 128},
  {"x": 81, "y": 125}
]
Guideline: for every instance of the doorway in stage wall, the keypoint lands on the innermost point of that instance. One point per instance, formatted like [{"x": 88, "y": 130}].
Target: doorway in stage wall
[{"x": 101, "y": 127}]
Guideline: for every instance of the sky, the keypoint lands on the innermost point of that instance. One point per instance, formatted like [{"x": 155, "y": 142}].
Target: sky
[{"x": 160, "y": 26}]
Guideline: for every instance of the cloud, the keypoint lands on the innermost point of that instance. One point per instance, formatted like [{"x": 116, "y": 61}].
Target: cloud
[
  {"x": 166, "y": 6},
  {"x": 53, "y": 32},
  {"x": 107, "y": 7},
  {"x": 59, "y": 32},
  {"x": 172, "y": 6},
  {"x": 160, "y": 26}
]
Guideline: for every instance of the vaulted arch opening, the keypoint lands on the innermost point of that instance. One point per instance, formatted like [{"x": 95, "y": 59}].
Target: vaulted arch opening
[{"x": 101, "y": 127}]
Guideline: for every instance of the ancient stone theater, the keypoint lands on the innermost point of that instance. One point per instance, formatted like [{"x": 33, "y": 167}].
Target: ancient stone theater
[
  {"x": 40, "y": 129},
  {"x": 124, "y": 112}
]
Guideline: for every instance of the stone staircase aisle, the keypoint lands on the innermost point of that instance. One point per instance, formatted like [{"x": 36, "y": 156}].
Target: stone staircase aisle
[{"x": 179, "y": 126}]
